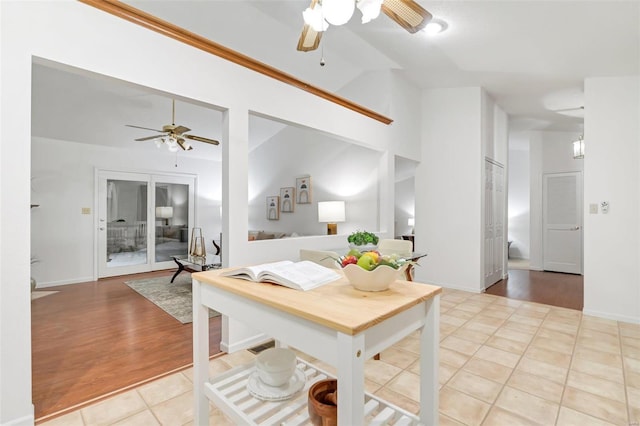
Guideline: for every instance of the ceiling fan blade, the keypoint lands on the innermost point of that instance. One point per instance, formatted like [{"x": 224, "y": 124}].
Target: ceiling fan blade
[
  {"x": 568, "y": 109},
  {"x": 181, "y": 143},
  {"x": 408, "y": 13},
  {"x": 309, "y": 39},
  {"x": 148, "y": 138},
  {"x": 145, "y": 128},
  {"x": 201, "y": 139},
  {"x": 180, "y": 130}
]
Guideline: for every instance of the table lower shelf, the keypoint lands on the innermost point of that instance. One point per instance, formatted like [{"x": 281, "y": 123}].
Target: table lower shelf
[{"x": 229, "y": 392}]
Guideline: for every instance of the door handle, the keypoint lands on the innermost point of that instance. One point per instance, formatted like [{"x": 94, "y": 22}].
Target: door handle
[
  {"x": 575, "y": 228},
  {"x": 101, "y": 228}
]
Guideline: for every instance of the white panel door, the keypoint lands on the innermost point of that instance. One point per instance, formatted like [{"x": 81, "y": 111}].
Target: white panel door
[
  {"x": 562, "y": 222},
  {"x": 493, "y": 223}
]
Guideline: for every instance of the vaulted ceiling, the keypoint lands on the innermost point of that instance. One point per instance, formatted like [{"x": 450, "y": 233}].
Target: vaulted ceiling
[{"x": 531, "y": 56}]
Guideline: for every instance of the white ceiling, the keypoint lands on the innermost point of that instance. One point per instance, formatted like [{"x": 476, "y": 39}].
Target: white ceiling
[{"x": 531, "y": 56}]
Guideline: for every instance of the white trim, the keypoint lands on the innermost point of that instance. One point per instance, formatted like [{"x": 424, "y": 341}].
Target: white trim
[
  {"x": 40, "y": 285},
  {"x": 250, "y": 342},
  {"x": 455, "y": 287},
  {"x": 615, "y": 317},
  {"x": 28, "y": 420}
]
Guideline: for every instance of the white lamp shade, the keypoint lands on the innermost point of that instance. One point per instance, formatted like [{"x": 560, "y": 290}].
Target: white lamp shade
[
  {"x": 370, "y": 9},
  {"x": 578, "y": 148},
  {"x": 331, "y": 211},
  {"x": 165, "y": 212},
  {"x": 338, "y": 12},
  {"x": 313, "y": 17},
  {"x": 411, "y": 221}
]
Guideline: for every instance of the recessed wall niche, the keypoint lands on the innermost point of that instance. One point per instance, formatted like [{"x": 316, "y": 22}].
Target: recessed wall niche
[{"x": 280, "y": 153}]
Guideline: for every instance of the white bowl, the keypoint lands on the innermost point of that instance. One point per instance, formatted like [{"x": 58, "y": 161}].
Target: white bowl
[
  {"x": 377, "y": 280},
  {"x": 276, "y": 366}
]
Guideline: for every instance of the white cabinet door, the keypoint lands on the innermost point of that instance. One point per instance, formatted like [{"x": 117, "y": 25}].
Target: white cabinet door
[
  {"x": 562, "y": 222},
  {"x": 494, "y": 200}
]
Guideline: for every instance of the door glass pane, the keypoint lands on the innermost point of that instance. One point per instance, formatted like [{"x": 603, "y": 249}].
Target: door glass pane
[
  {"x": 126, "y": 223},
  {"x": 172, "y": 220}
]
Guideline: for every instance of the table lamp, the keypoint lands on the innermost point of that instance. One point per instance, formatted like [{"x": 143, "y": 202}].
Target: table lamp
[
  {"x": 164, "y": 212},
  {"x": 331, "y": 212}
]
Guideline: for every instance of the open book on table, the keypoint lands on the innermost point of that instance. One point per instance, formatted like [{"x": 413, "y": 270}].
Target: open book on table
[{"x": 303, "y": 275}]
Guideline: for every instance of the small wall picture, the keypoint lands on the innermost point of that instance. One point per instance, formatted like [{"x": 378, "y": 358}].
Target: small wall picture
[
  {"x": 287, "y": 199},
  {"x": 303, "y": 190},
  {"x": 273, "y": 207}
]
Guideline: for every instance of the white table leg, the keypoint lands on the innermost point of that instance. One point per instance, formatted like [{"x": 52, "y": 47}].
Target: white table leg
[
  {"x": 350, "y": 379},
  {"x": 200, "y": 356},
  {"x": 429, "y": 348}
]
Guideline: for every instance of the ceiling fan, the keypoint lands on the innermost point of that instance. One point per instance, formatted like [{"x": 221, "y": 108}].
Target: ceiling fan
[
  {"x": 407, "y": 13},
  {"x": 173, "y": 136}
]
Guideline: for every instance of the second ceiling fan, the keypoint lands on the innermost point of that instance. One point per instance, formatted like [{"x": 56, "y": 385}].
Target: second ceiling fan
[
  {"x": 407, "y": 13},
  {"x": 174, "y": 136}
]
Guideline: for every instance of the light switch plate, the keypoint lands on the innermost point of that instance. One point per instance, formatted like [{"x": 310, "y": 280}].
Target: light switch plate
[
  {"x": 604, "y": 206},
  {"x": 593, "y": 208},
  {"x": 86, "y": 210}
]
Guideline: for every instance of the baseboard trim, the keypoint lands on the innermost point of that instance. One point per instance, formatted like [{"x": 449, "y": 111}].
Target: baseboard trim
[
  {"x": 27, "y": 420},
  {"x": 244, "y": 344},
  {"x": 40, "y": 285},
  {"x": 615, "y": 317},
  {"x": 455, "y": 287}
]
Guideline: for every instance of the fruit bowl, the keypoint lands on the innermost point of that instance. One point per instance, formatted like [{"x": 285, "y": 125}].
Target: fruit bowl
[{"x": 377, "y": 280}]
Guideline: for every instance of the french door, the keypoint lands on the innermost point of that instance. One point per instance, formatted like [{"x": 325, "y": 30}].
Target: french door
[{"x": 143, "y": 220}]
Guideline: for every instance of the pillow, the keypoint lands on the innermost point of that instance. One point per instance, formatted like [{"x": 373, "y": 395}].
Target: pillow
[{"x": 264, "y": 236}]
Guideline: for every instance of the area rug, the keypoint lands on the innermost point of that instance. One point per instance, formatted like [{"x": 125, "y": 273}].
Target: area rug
[{"x": 174, "y": 298}]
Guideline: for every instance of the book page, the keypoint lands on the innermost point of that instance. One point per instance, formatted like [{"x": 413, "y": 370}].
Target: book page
[
  {"x": 303, "y": 275},
  {"x": 252, "y": 272}
]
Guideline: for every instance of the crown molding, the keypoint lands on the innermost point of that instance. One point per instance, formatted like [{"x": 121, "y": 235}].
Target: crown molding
[{"x": 175, "y": 32}]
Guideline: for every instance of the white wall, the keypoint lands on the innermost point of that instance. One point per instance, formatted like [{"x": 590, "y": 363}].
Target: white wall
[
  {"x": 612, "y": 241},
  {"x": 448, "y": 204},
  {"x": 461, "y": 127},
  {"x": 519, "y": 203},
  {"x": 549, "y": 152},
  {"x": 73, "y": 33},
  {"x": 62, "y": 182},
  {"x": 339, "y": 171}
]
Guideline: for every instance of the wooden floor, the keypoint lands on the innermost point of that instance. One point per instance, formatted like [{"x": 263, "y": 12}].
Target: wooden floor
[
  {"x": 95, "y": 338},
  {"x": 551, "y": 288}
]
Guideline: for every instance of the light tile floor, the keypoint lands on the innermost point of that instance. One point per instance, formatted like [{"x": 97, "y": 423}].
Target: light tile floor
[{"x": 502, "y": 362}]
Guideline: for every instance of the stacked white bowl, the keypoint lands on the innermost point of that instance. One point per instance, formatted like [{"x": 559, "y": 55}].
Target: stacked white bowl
[{"x": 276, "y": 366}]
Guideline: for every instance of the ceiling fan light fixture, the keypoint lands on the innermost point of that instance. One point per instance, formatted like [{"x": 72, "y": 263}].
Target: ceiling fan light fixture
[
  {"x": 370, "y": 9},
  {"x": 313, "y": 18},
  {"x": 435, "y": 26},
  {"x": 338, "y": 12}
]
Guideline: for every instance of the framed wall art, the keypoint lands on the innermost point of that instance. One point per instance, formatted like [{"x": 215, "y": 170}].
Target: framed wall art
[
  {"x": 303, "y": 190},
  {"x": 287, "y": 199},
  {"x": 273, "y": 207}
]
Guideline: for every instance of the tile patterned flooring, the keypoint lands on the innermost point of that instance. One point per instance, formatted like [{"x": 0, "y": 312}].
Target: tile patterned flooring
[{"x": 502, "y": 362}]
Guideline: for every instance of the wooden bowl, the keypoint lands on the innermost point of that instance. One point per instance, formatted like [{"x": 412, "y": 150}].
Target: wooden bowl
[{"x": 321, "y": 411}]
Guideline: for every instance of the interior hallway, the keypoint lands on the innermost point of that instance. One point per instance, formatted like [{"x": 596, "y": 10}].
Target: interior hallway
[{"x": 551, "y": 288}]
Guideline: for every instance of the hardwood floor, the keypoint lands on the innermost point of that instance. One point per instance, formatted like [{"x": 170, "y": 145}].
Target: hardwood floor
[
  {"x": 95, "y": 338},
  {"x": 551, "y": 288}
]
